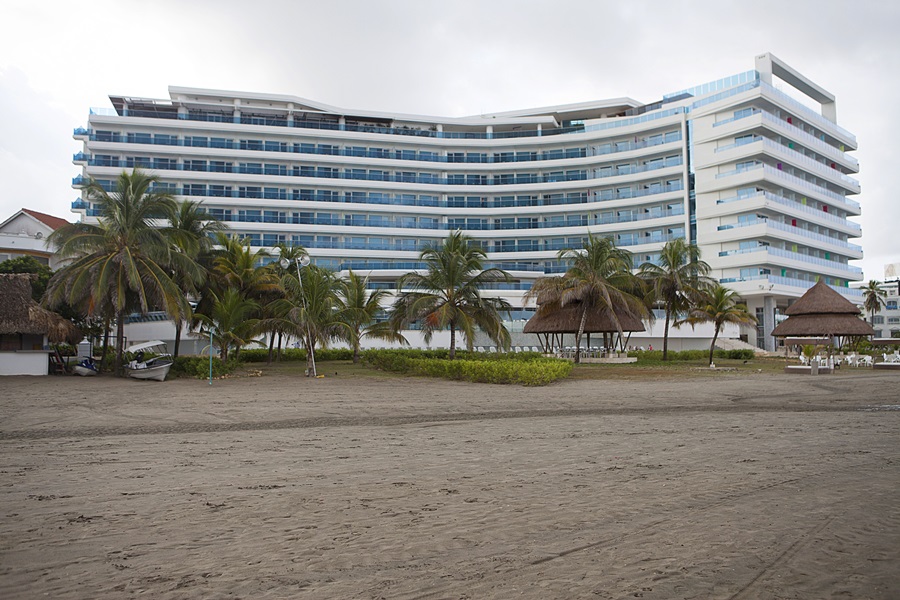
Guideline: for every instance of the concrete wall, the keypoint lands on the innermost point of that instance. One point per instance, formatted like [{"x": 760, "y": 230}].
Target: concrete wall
[{"x": 34, "y": 362}]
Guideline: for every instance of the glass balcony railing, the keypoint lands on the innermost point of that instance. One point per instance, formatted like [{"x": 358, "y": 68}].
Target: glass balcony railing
[
  {"x": 794, "y": 230},
  {"x": 809, "y": 139},
  {"x": 431, "y": 132},
  {"x": 793, "y": 282},
  {"x": 811, "y": 163},
  {"x": 779, "y": 252},
  {"x": 808, "y": 113},
  {"x": 793, "y": 204},
  {"x": 377, "y": 153},
  {"x": 812, "y": 188}
]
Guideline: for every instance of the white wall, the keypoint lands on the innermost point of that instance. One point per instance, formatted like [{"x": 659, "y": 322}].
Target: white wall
[{"x": 34, "y": 362}]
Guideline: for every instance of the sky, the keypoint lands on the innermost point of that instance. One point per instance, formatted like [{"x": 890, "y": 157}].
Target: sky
[{"x": 434, "y": 57}]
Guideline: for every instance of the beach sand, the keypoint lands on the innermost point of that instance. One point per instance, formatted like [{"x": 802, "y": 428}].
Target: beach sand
[{"x": 730, "y": 486}]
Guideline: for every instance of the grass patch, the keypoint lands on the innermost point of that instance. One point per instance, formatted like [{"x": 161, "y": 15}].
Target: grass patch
[{"x": 526, "y": 368}]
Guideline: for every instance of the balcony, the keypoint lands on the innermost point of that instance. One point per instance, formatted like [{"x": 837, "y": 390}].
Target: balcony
[
  {"x": 853, "y": 294},
  {"x": 814, "y": 213},
  {"x": 787, "y": 254},
  {"x": 792, "y": 181}
]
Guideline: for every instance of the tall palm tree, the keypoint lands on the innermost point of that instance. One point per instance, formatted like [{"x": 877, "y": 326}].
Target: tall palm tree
[
  {"x": 358, "y": 309},
  {"x": 190, "y": 229},
  {"x": 599, "y": 278},
  {"x": 123, "y": 263},
  {"x": 449, "y": 294},
  {"x": 274, "y": 323},
  {"x": 679, "y": 275},
  {"x": 873, "y": 299},
  {"x": 718, "y": 305}
]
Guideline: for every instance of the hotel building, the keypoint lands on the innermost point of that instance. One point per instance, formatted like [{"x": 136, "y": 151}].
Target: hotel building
[{"x": 760, "y": 180}]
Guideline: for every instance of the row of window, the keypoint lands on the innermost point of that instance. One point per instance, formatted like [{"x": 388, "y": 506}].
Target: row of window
[
  {"x": 335, "y": 242},
  {"x": 256, "y": 215},
  {"x": 386, "y": 153},
  {"x": 217, "y": 166}
]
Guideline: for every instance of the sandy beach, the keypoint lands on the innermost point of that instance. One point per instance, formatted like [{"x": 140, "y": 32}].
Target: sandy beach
[{"x": 734, "y": 486}]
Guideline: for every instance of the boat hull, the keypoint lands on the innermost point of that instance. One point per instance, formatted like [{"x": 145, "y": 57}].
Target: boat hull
[
  {"x": 154, "y": 373},
  {"x": 84, "y": 371}
]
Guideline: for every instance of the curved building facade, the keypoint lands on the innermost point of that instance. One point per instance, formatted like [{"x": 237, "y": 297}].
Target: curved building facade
[{"x": 759, "y": 180}]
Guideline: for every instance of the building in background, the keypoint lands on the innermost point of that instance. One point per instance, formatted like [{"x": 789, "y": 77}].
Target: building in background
[
  {"x": 25, "y": 234},
  {"x": 887, "y": 321},
  {"x": 757, "y": 178}
]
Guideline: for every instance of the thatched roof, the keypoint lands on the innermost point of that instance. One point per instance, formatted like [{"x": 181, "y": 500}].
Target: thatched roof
[
  {"x": 821, "y": 299},
  {"x": 821, "y": 311},
  {"x": 553, "y": 319},
  {"x": 823, "y": 325},
  {"x": 20, "y": 314}
]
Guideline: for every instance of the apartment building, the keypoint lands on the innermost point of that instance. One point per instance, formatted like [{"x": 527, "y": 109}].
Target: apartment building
[{"x": 759, "y": 179}]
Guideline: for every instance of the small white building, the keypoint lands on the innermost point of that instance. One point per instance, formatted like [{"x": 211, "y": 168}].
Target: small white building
[{"x": 25, "y": 234}]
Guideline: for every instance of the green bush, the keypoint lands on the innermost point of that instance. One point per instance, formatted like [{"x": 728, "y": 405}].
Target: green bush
[
  {"x": 295, "y": 354},
  {"x": 475, "y": 367},
  {"x": 198, "y": 366},
  {"x": 693, "y": 355},
  {"x": 64, "y": 349}
]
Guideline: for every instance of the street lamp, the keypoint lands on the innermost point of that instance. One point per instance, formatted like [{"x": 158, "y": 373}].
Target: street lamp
[{"x": 303, "y": 261}]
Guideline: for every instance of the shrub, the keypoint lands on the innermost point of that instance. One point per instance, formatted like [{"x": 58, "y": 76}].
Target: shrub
[
  {"x": 296, "y": 354},
  {"x": 691, "y": 355},
  {"x": 198, "y": 366},
  {"x": 476, "y": 367}
]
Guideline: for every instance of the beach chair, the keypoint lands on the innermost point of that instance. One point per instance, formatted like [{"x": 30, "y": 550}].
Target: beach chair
[{"x": 866, "y": 361}]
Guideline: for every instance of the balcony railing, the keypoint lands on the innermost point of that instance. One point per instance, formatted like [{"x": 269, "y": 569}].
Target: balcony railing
[
  {"x": 831, "y": 264},
  {"x": 793, "y": 204},
  {"x": 811, "y": 187},
  {"x": 793, "y": 282},
  {"x": 808, "y": 113},
  {"x": 794, "y": 230}
]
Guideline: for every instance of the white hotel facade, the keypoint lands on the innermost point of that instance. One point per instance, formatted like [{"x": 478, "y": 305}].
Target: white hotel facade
[{"x": 760, "y": 181}]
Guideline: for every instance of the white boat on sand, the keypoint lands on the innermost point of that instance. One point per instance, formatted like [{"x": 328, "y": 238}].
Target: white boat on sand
[{"x": 156, "y": 367}]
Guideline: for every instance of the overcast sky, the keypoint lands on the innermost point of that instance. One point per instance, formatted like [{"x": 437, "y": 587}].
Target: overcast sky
[{"x": 435, "y": 57}]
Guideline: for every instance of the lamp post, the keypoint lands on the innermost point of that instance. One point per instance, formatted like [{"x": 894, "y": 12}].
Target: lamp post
[{"x": 303, "y": 261}]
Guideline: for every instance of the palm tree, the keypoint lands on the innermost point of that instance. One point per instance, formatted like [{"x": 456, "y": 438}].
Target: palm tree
[
  {"x": 718, "y": 305},
  {"x": 599, "y": 278},
  {"x": 124, "y": 262},
  {"x": 274, "y": 323},
  {"x": 191, "y": 229},
  {"x": 449, "y": 294},
  {"x": 679, "y": 275},
  {"x": 230, "y": 318},
  {"x": 358, "y": 310},
  {"x": 309, "y": 309},
  {"x": 873, "y": 299}
]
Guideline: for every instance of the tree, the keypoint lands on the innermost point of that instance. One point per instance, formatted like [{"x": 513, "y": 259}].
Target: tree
[
  {"x": 190, "y": 230},
  {"x": 309, "y": 308},
  {"x": 124, "y": 263},
  {"x": 449, "y": 294},
  {"x": 230, "y": 320},
  {"x": 873, "y": 299},
  {"x": 718, "y": 305},
  {"x": 29, "y": 264},
  {"x": 678, "y": 277},
  {"x": 599, "y": 278},
  {"x": 358, "y": 309}
]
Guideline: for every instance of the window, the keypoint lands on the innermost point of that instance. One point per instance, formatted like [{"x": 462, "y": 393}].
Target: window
[
  {"x": 878, "y": 320},
  {"x": 891, "y": 305}
]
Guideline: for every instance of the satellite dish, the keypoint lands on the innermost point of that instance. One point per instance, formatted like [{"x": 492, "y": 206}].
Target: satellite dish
[{"x": 304, "y": 260}]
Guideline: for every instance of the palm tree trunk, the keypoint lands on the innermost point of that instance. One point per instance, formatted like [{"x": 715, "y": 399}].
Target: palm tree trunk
[
  {"x": 452, "y": 341},
  {"x": 579, "y": 334},
  {"x": 271, "y": 348},
  {"x": 666, "y": 335},
  {"x": 178, "y": 325},
  {"x": 280, "y": 340},
  {"x": 120, "y": 341},
  {"x": 713, "y": 345},
  {"x": 105, "y": 341}
]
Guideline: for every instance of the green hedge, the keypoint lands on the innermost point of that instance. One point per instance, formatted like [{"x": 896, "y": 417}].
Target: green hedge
[
  {"x": 475, "y": 367},
  {"x": 686, "y": 355},
  {"x": 296, "y": 354},
  {"x": 198, "y": 366}
]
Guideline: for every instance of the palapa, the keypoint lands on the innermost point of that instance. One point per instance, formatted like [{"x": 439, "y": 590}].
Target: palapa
[
  {"x": 566, "y": 319},
  {"x": 20, "y": 314},
  {"x": 821, "y": 311}
]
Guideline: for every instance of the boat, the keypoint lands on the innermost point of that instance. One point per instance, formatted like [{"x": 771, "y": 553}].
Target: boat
[
  {"x": 86, "y": 368},
  {"x": 155, "y": 368}
]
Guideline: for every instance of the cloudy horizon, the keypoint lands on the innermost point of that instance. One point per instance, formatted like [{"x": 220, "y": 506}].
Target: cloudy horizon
[{"x": 58, "y": 59}]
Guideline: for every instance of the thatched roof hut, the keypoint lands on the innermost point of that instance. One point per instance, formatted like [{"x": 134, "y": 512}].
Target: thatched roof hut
[
  {"x": 821, "y": 311},
  {"x": 19, "y": 314},
  {"x": 566, "y": 319}
]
